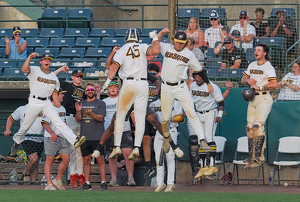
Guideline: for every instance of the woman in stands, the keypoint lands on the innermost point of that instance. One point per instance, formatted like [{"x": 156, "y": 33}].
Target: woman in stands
[
  {"x": 17, "y": 47},
  {"x": 195, "y": 32},
  {"x": 262, "y": 29}
]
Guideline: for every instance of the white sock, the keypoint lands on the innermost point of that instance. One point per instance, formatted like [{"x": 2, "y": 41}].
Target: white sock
[
  {"x": 88, "y": 182},
  {"x": 103, "y": 182}
]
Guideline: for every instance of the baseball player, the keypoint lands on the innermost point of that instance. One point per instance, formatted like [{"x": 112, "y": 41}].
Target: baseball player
[
  {"x": 33, "y": 141},
  {"x": 170, "y": 156},
  {"x": 177, "y": 58},
  {"x": 131, "y": 58},
  {"x": 55, "y": 142},
  {"x": 43, "y": 83},
  {"x": 261, "y": 76},
  {"x": 206, "y": 109}
]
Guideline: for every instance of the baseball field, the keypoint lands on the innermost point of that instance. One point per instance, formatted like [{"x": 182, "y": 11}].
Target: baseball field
[{"x": 189, "y": 193}]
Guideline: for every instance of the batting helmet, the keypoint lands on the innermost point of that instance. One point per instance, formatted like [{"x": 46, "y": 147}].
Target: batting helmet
[
  {"x": 248, "y": 94},
  {"x": 198, "y": 73},
  {"x": 132, "y": 35}
]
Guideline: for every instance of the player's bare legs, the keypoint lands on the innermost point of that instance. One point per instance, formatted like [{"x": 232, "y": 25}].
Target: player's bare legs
[{"x": 102, "y": 168}]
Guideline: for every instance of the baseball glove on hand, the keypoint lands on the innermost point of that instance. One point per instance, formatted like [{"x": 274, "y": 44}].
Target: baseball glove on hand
[{"x": 153, "y": 35}]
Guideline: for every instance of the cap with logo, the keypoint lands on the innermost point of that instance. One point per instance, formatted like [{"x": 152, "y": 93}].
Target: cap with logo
[
  {"x": 61, "y": 91},
  {"x": 236, "y": 33},
  {"x": 244, "y": 13},
  {"x": 76, "y": 72},
  {"x": 228, "y": 39},
  {"x": 214, "y": 14},
  {"x": 16, "y": 29},
  {"x": 180, "y": 37},
  {"x": 47, "y": 56},
  {"x": 113, "y": 84},
  {"x": 280, "y": 11}
]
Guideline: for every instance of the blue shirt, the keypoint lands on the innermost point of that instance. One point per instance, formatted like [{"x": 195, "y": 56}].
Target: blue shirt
[{"x": 14, "y": 52}]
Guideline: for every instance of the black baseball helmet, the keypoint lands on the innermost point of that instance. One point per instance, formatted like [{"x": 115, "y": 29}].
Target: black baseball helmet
[
  {"x": 248, "y": 94},
  {"x": 198, "y": 73},
  {"x": 132, "y": 35}
]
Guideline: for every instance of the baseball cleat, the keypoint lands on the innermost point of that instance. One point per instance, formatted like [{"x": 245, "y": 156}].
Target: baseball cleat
[
  {"x": 247, "y": 160},
  {"x": 95, "y": 154},
  {"x": 166, "y": 144},
  {"x": 73, "y": 180},
  {"x": 204, "y": 146},
  {"x": 248, "y": 166},
  {"x": 201, "y": 171},
  {"x": 113, "y": 183},
  {"x": 50, "y": 187},
  {"x": 211, "y": 177},
  {"x": 178, "y": 152},
  {"x": 255, "y": 164},
  {"x": 115, "y": 153},
  {"x": 131, "y": 181},
  {"x": 79, "y": 142},
  {"x": 134, "y": 154},
  {"x": 58, "y": 184},
  {"x": 170, "y": 188},
  {"x": 159, "y": 188},
  {"x": 211, "y": 170},
  {"x": 81, "y": 179},
  {"x": 86, "y": 187},
  {"x": 149, "y": 172}
]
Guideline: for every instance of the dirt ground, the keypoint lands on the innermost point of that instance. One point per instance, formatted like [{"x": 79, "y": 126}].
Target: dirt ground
[{"x": 186, "y": 188}]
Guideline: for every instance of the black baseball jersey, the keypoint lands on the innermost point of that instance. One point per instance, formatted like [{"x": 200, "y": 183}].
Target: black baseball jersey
[
  {"x": 74, "y": 94},
  {"x": 151, "y": 79},
  {"x": 236, "y": 54}
]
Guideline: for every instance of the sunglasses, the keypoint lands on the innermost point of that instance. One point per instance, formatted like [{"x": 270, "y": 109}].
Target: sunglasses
[
  {"x": 17, "y": 34},
  {"x": 244, "y": 18},
  {"x": 279, "y": 14},
  {"x": 78, "y": 76},
  {"x": 227, "y": 43},
  {"x": 90, "y": 89},
  {"x": 213, "y": 19}
]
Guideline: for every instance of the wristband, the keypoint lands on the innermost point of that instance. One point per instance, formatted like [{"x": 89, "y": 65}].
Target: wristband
[
  {"x": 261, "y": 87},
  {"x": 107, "y": 82},
  {"x": 220, "y": 113},
  {"x": 191, "y": 78},
  {"x": 228, "y": 89},
  {"x": 155, "y": 38}
]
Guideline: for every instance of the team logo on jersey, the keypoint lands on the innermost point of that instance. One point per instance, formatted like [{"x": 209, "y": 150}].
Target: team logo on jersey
[
  {"x": 61, "y": 114},
  {"x": 78, "y": 93},
  {"x": 48, "y": 81},
  {"x": 176, "y": 56},
  {"x": 200, "y": 93},
  {"x": 156, "y": 109},
  {"x": 256, "y": 71},
  {"x": 289, "y": 80}
]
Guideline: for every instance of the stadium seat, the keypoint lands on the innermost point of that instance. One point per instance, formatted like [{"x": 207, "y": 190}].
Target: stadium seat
[
  {"x": 37, "y": 42},
  {"x": 71, "y": 53},
  {"x": 290, "y": 12},
  {"x": 2, "y": 43},
  {"x": 277, "y": 44},
  {"x": 146, "y": 40},
  {"x": 236, "y": 74},
  {"x": 8, "y": 64},
  {"x": 51, "y": 33},
  {"x": 0, "y": 71},
  {"x": 145, "y": 32},
  {"x": 184, "y": 14},
  {"x": 14, "y": 74},
  {"x": 78, "y": 18},
  {"x": 30, "y": 33},
  {"x": 97, "y": 53},
  {"x": 53, "y": 51},
  {"x": 2, "y": 53},
  {"x": 35, "y": 62},
  {"x": 112, "y": 42},
  {"x": 81, "y": 63},
  {"x": 212, "y": 73},
  {"x": 76, "y": 32},
  {"x": 29, "y": 50},
  {"x": 213, "y": 63},
  {"x": 121, "y": 32},
  {"x": 250, "y": 55},
  {"x": 224, "y": 75},
  {"x": 102, "y": 32},
  {"x": 211, "y": 54},
  {"x": 6, "y": 32},
  {"x": 61, "y": 42},
  {"x": 86, "y": 42},
  {"x": 54, "y": 18},
  {"x": 89, "y": 73},
  {"x": 57, "y": 63},
  {"x": 101, "y": 64}
]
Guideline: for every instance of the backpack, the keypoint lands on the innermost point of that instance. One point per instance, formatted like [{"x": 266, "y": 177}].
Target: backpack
[{"x": 227, "y": 179}]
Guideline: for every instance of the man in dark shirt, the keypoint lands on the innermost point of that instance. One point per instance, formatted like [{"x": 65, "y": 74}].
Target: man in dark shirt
[{"x": 235, "y": 56}]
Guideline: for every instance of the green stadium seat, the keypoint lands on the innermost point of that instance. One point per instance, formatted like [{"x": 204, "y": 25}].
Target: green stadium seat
[
  {"x": 102, "y": 32},
  {"x": 14, "y": 74},
  {"x": 54, "y": 18},
  {"x": 30, "y": 33},
  {"x": 61, "y": 42},
  {"x": 53, "y": 51},
  {"x": 121, "y": 32},
  {"x": 71, "y": 53},
  {"x": 112, "y": 42},
  {"x": 78, "y": 18},
  {"x": 8, "y": 64},
  {"x": 37, "y": 42},
  {"x": 86, "y": 42},
  {"x": 6, "y": 32},
  {"x": 83, "y": 63},
  {"x": 76, "y": 32},
  {"x": 145, "y": 32},
  {"x": 51, "y": 33},
  {"x": 97, "y": 53}
]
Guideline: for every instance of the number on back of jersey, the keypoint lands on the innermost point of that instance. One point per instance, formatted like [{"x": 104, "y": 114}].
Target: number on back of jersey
[{"x": 134, "y": 51}]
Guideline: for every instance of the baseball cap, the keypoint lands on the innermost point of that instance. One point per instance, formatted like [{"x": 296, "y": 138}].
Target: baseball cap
[
  {"x": 280, "y": 11},
  {"x": 16, "y": 29},
  {"x": 61, "y": 91},
  {"x": 77, "y": 71},
  {"x": 113, "y": 84},
  {"x": 236, "y": 33},
  {"x": 47, "y": 56},
  {"x": 180, "y": 37},
  {"x": 228, "y": 39},
  {"x": 244, "y": 13},
  {"x": 213, "y": 14}
]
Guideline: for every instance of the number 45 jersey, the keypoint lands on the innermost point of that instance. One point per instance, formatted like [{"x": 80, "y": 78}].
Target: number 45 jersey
[{"x": 132, "y": 60}]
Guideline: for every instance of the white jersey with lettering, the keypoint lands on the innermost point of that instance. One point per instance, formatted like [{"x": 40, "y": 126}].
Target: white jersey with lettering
[
  {"x": 42, "y": 84},
  {"x": 202, "y": 99},
  {"x": 36, "y": 130},
  {"x": 62, "y": 115},
  {"x": 175, "y": 64},
  {"x": 132, "y": 60}
]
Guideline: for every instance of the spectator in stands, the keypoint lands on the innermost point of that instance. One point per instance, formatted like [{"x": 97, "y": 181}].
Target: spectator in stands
[
  {"x": 262, "y": 29},
  {"x": 236, "y": 36},
  {"x": 247, "y": 31},
  {"x": 284, "y": 28},
  {"x": 154, "y": 69},
  {"x": 224, "y": 31},
  {"x": 151, "y": 59},
  {"x": 290, "y": 84},
  {"x": 190, "y": 44},
  {"x": 195, "y": 32},
  {"x": 17, "y": 47},
  {"x": 213, "y": 34},
  {"x": 236, "y": 57}
]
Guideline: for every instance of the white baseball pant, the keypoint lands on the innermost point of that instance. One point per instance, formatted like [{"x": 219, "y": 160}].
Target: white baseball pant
[
  {"x": 183, "y": 96},
  {"x": 207, "y": 121},
  {"x": 170, "y": 157},
  {"x": 35, "y": 106},
  {"x": 132, "y": 92},
  {"x": 76, "y": 160}
]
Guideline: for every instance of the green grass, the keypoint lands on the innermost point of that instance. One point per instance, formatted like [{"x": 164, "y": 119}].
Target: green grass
[{"x": 56, "y": 196}]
